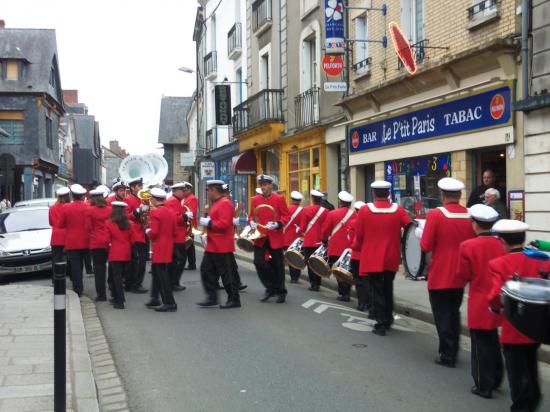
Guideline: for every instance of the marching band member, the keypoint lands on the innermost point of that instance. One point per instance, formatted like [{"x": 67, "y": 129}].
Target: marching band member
[
  {"x": 76, "y": 235},
  {"x": 162, "y": 232},
  {"x": 473, "y": 266},
  {"x": 236, "y": 221},
  {"x": 192, "y": 203},
  {"x": 120, "y": 237},
  {"x": 174, "y": 204},
  {"x": 335, "y": 233},
  {"x": 446, "y": 228},
  {"x": 520, "y": 352},
  {"x": 57, "y": 241},
  {"x": 140, "y": 249},
  {"x": 364, "y": 301},
  {"x": 289, "y": 231},
  {"x": 119, "y": 192},
  {"x": 378, "y": 237},
  {"x": 272, "y": 272},
  {"x": 220, "y": 245},
  {"x": 98, "y": 214},
  {"x": 313, "y": 217}
]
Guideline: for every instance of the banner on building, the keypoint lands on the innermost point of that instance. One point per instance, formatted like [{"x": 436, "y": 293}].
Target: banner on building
[
  {"x": 222, "y": 95},
  {"x": 334, "y": 27}
]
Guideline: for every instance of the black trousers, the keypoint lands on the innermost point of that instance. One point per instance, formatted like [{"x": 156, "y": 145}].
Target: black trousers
[
  {"x": 88, "y": 263},
  {"x": 362, "y": 286},
  {"x": 140, "y": 251},
  {"x": 381, "y": 284},
  {"x": 214, "y": 266},
  {"x": 178, "y": 263},
  {"x": 344, "y": 289},
  {"x": 235, "y": 269},
  {"x": 445, "y": 305},
  {"x": 272, "y": 273},
  {"x": 522, "y": 370},
  {"x": 99, "y": 259},
  {"x": 161, "y": 284},
  {"x": 119, "y": 270},
  {"x": 190, "y": 257},
  {"x": 314, "y": 280},
  {"x": 76, "y": 260},
  {"x": 487, "y": 364}
]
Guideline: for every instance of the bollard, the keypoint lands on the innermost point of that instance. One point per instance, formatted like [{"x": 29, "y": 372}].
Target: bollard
[{"x": 59, "y": 336}]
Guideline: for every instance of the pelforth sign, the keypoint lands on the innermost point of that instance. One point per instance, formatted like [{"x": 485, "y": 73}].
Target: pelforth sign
[{"x": 334, "y": 27}]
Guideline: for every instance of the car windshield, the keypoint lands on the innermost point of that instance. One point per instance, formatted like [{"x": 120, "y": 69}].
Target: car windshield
[{"x": 22, "y": 221}]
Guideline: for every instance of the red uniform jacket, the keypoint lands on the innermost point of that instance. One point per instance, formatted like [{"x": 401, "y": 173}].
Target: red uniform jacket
[
  {"x": 193, "y": 204},
  {"x": 473, "y": 266},
  {"x": 134, "y": 202},
  {"x": 355, "y": 253},
  {"x": 340, "y": 241},
  {"x": 97, "y": 217},
  {"x": 73, "y": 220},
  {"x": 162, "y": 234},
  {"x": 175, "y": 205},
  {"x": 502, "y": 269},
  {"x": 314, "y": 236},
  {"x": 442, "y": 236},
  {"x": 277, "y": 202},
  {"x": 290, "y": 234},
  {"x": 378, "y": 237},
  {"x": 111, "y": 198},
  {"x": 121, "y": 242},
  {"x": 220, "y": 234},
  {"x": 58, "y": 233}
]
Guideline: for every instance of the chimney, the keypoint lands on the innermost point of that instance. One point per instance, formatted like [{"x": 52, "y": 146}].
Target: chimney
[
  {"x": 70, "y": 96},
  {"x": 2, "y": 24}
]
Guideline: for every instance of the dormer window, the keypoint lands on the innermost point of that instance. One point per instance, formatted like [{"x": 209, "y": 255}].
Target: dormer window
[{"x": 11, "y": 69}]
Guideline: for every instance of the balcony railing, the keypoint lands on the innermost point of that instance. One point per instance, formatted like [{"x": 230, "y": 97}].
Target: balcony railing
[
  {"x": 210, "y": 65},
  {"x": 482, "y": 9},
  {"x": 362, "y": 66},
  {"x": 306, "y": 108},
  {"x": 265, "y": 106},
  {"x": 234, "y": 41},
  {"x": 419, "y": 51},
  {"x": 261, "y": 14}
]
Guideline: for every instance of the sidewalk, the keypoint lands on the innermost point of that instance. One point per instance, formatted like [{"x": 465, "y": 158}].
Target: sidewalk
[{"x": 26, "y": 352}]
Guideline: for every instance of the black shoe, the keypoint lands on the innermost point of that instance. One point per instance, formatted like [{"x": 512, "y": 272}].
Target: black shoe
[
  {"x": 281, "y": 299},
  {"x": 343, "y": 298},
  {"x": 178, "y": 288},
  {"x": 139, "y": 290},
  {"x": 153, "y": 303},
  {"x": 230, "y": 305},
  {"x": 100, "y": 299},
  {"x": 379, "y": 329},
  {"x": 313, "y": 288},
  {"x": 267, "y": 296},
  {"x": 371, "y": 315},
  {"x": 112, "y": 301},
  {"x": 361, "y": 308},
  {"x": 242, "y": 287},
  {"x": 207, "y": 303},
  {"x": 191, "y": 267},
  {"x": 484, "y": 394},
  {"x": 167, "y": 308},
  {"x": 118, "y": 306},
  {"x": 448, "y": 363},
  {"x": 294, "y": 281}
]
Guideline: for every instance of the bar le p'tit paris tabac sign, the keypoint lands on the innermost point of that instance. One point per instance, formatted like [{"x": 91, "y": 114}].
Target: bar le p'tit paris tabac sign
[{"x": 475, "y": 112}]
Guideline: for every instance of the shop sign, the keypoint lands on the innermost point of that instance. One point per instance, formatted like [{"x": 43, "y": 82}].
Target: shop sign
[
  {"x": 516, "y": 201},
  {"x": 208, "y": 170},
  {"x": 402, "y": 48},
  {"x": 335, "y": 86},
  {"x": 418, "y": 166},
  {"x": 187, "y": 159},
  {"x": 476, "y": 112},
  {"x": 334, "y": 26},
  {"x": 333, "y": 65},
  {"x": 222, "y": 100}
]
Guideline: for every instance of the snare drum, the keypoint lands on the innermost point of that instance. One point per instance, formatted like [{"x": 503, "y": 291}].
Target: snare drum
[
  {"x": 415, "y": 261},
  {"x": 342, "y": 268},
  {"x": 294, "y": 256},
  {"x": 318, "y": 262}
]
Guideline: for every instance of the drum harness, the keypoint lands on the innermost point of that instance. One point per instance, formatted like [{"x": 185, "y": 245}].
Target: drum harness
[
  {"x": 294, "y": 215},
  {"x": 315, "y": 219},
  {"x": 340, "y": 224}
]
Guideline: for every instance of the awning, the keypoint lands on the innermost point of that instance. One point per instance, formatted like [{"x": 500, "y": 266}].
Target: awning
[{"x": 244, "y": 163}]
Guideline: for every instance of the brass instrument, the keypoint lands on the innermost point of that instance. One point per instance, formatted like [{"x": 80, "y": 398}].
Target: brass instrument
[
  {"x": 204, "y": 234},
  {"x": 235, "y": 215},
  {"x": 248, "y": 235},
  {"x": 190, "y": 235},
  {"x": 145, "y": 197}
]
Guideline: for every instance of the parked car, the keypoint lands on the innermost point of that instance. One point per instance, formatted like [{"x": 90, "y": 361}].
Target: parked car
[
  {"x": 45, "y": 201},
  {"x": 25, "y": 235}
]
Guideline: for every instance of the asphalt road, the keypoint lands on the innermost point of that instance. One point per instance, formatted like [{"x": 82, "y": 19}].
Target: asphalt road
[{"x": 310, "y": 354}]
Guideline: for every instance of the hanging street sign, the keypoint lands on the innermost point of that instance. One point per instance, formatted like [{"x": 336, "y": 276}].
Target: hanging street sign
[
  {"x": 333, "y": 64},
  {"x": 334, "y": 27},
  {"x": 335, "y": 87},
  {"x": 402, "y": 48}
]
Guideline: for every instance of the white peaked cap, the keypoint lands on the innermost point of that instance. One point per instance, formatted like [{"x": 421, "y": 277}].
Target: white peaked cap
[
  {"x": 359, "y": 204},
  {"x": 119, "y": 204},
  {"x": 63, "y": 191},
  {"x": 78, "y": 189},
  {"x": 96, "y": 192},
  {"x": 510, "y": 226},
  {"x": 448, "y": 184},
  {"x": 345, "y": 197},
  {"x": 158, "y": 193},
  {"x": 380, "y": 184},
  {"x": 296, "y": 195},
  {"x": 316, "y": 193},
  {"x": 483, "y": 213}
]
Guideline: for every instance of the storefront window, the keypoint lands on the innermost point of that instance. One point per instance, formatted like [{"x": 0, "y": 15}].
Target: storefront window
[
  {"x": 270, "y": 165},
  {"x": 238, "y": 185},
  {"x": 304, "y": 171},
  {"x": 414, "y": 181}
]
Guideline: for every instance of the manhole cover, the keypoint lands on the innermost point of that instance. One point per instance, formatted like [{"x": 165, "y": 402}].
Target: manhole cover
[{"x": 359, "y": 345}]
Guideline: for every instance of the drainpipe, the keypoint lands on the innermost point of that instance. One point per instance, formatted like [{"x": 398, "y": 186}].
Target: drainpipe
[
  {"x": 280, "y": 46},
  {"x": 525, "y": 49}
]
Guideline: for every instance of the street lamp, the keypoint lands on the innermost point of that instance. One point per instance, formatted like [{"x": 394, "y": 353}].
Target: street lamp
[{"x": 186, "y": 69}]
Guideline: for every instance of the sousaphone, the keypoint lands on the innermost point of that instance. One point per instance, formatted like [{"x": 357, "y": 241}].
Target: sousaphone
[{"x": 248, "y": 235}]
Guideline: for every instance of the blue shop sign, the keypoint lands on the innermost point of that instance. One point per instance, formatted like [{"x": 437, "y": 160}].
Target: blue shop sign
[{"x": 479, "y": 111}]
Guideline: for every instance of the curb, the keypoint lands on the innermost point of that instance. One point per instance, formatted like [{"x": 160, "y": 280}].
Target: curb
[{"x": 110, "y": 390}]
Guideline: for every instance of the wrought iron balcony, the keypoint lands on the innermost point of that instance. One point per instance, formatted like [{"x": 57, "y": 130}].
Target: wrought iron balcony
[
  {"x": 265, "y": 106},
  {"x": 482, "y": 9},
  {"x": 261, "y": 15},
  {"x": 210, "y": 65},
  {"x": 234, "y": 41},
  {"x": 419, "y": 51},
  {"x": 306, "y": 108},
  {"x": 363, "y": 66}
]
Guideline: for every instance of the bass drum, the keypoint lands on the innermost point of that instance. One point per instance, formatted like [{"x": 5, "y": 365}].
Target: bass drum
[
  {"x": 342, "y": 268},
  {"x": 294, "y": 256},
  {"x": 415, "y": 261},
  {"x": 318, "y": 262}
]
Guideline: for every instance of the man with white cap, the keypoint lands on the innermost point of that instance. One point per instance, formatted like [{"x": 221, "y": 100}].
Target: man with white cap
[
  {"x": 364, "y": 299},
  {"x": 140, "y": 249},
  {"x": 311, "y": 224},
  {"x": 289, "y": 230},
  {"x": 190, "y": 202},
  {"x": 473, "y": 267},
  {"x": 272, "y": 216},
  {"x": 57, "y": 241},
  {"x": 446, "y": 228},
  {"x": 378, "y": 237},
  {"x": 335, "y": 233},
  {"x": 73, "y": 220},
  {"x": 520, "y": 352},
  {"x": 119, "y": 192}
]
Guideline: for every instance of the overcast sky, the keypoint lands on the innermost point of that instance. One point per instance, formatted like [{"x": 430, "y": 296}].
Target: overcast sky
[{"x": 122, "y": 56}]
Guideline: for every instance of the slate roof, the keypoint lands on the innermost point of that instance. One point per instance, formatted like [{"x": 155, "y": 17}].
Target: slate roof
[
  {"x": 173, "y": 120},
  {"x": 85, "y": 130}
]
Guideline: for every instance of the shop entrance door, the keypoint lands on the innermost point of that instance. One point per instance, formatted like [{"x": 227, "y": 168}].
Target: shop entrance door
[{"x": 493, "y": 158}]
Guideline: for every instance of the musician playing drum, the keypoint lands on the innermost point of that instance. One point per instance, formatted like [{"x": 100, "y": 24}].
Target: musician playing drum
[
  {"x": 290, "y": 235},
  {"x": 446, "y": 228},
  {"x": 378, "y": 236},
  {"x": 311, "y": 223},
  {"x": 473, "y": 266},
  {"x": 520, "y": 352},
  {"x": 335, "y": 233},
  {"x": 271, "y": 272},
  {"x": 362, "y": 287}
]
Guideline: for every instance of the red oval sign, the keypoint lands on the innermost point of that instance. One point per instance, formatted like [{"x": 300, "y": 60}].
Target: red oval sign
[
  {"x": 497, "y": 106},
  {"x": 333, "y": 65},
  {"x": 402, "y": 48},
  {"x": 355, "y": 139}
]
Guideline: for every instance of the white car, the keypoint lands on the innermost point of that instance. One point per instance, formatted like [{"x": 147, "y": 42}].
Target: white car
[
  {"x": 25, "y": 235},
  {"x": 45, "y": 201}
]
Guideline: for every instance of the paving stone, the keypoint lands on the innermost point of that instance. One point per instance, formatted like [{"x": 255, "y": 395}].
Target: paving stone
[
  {"x": 115, "y": 407},
  {"x": 27, "y": 404},
  {"x": 111, "y": 391},
  {"x": 107, "y": 376},
  {"x": 29, "y": 379},
  {"x": 87, "y": 405},
  {"x": 109, "y": 383},
  {"x": 84, "y": 385},
  {"x": 24, "y": 391},
  {"x": 15, "y": 369},
  {"x": 118, "y": 398},
  {"x": 33, "y": 360}
]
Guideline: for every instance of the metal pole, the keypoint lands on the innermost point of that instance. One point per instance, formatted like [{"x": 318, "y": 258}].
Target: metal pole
[
  {"x": 525, "y": 49},
  {"x": 59, "y": 336}
]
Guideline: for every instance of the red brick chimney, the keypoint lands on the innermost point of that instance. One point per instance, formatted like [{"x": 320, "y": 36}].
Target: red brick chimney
[
  {"x": 2, "y": 24},
  {"x": 70, "y": 96}
]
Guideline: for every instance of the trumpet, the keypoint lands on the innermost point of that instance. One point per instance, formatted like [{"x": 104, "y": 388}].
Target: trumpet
[
  {"x": 145, "y": 197},
  {"x": 190, "y": 235}
]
